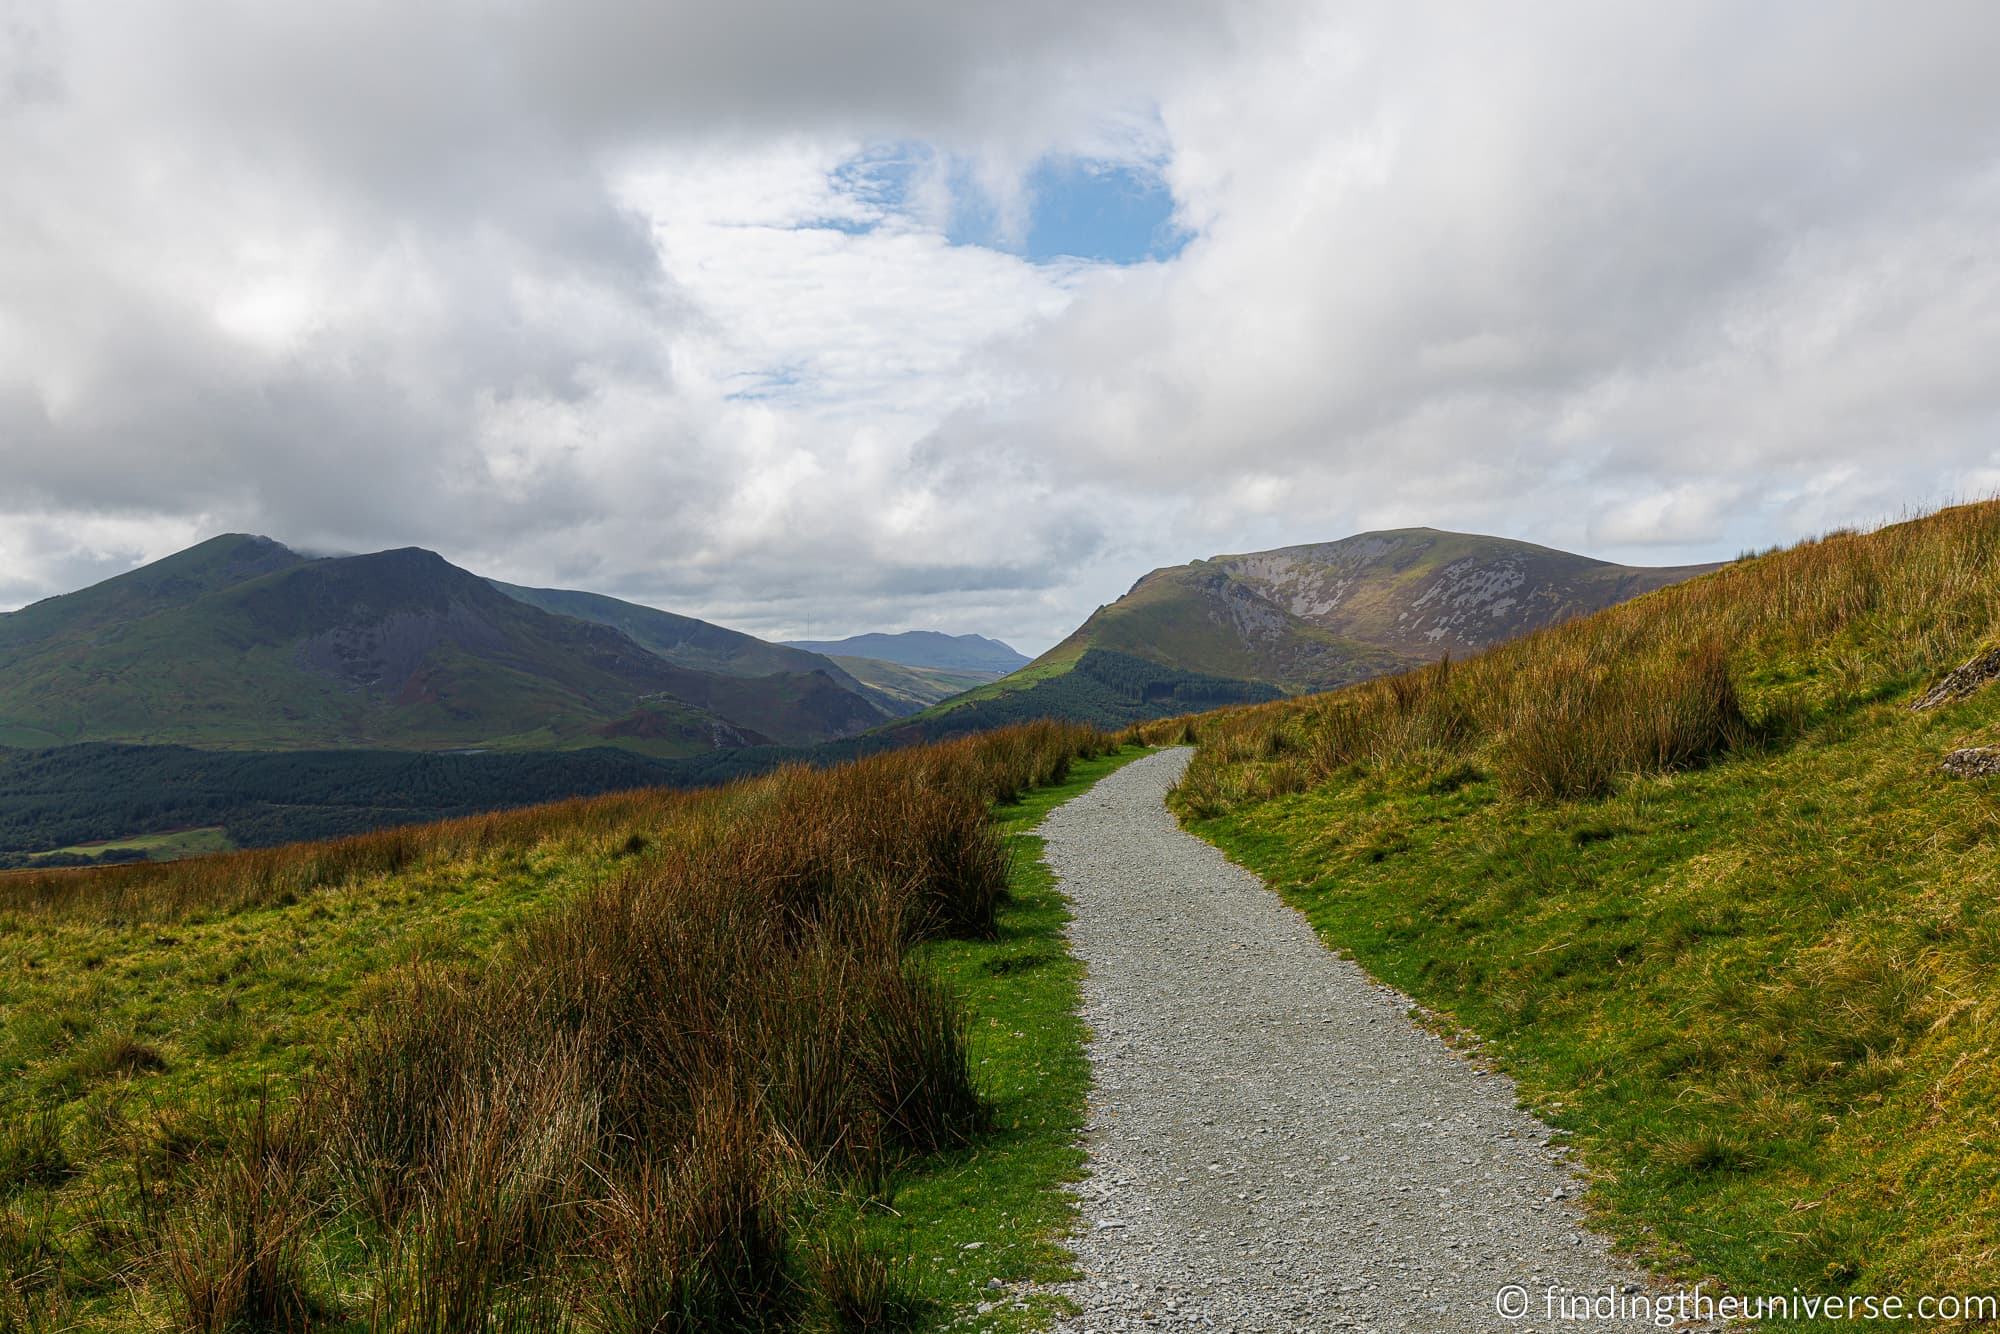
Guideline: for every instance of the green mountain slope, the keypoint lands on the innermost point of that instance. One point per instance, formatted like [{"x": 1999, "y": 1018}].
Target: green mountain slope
[
  {"x": 1311, "y": 617},
  {"x": 913, "y": 688},
  {"x": 221, "y": 562},
  {"x": 1102, "y": 688},
  {"x": 683, "y": 640},
  {"x": 397, "y": 649},
  {"x": 1307, "y": 618},
  {"x": 923, "y": 648},
  {"x": 1714, "y": 874}
]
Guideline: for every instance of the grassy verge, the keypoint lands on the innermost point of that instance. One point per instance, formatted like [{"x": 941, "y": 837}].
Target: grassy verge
[
  {"x": 657, "y": 1060},
  {"x": 1000, "y": 1211},
  {"x": 1759, "y": 997},
  {"x": 133, "y": 1048},
  {"x": 1692, "y": 869}
]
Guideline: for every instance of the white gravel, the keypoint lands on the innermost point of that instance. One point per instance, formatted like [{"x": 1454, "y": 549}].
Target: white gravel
[{"x": 1274, "y": 1144}]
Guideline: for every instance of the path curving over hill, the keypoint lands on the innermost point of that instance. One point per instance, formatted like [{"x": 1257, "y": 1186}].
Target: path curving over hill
[{"x": 1274, "y": 1144}]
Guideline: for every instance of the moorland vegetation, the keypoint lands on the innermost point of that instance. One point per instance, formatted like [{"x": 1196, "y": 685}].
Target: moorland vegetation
[
  {"x": 1694, "y": 870},
  {"x": 651, "y": 1060}
]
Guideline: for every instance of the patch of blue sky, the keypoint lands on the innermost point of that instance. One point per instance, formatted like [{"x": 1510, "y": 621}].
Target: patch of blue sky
[
  {"x": 878, "y": 182},
  {"x": 1071, "y": 207},
  {"x": 773, "y": 382},
  {"x": 1109, "y": 212}
]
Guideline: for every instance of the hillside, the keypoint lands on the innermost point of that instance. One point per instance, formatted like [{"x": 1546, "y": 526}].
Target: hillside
[
  {"x": 383, "y": 1083},
  {"x": 52, "y": 800},
  {"x": 1311, "y": 617},
  {"x": 1241, "y": 628},
  {"x": 688, "y": 642},
  {"x": 912, "y": 688},
  {"x": 1698, "y": 872},
  {"x": 241, "y": 643},
  {"x": 923, "y": 648}
]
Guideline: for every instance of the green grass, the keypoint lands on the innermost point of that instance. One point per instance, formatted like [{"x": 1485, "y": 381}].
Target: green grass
[
  {"x": 1006, "y": 1199},
  {"x": 232, "y": 1007},
  {"x": 160, "y": 847},
  {"x": 1759, "y": 996},
  {"x": 133, "y": 1053}
]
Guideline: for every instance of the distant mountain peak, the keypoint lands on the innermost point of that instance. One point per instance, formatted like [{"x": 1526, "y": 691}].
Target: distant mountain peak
[
  {"x": 241, "y": 641},
  {"x": 1319, "y": 614},
  {"x": 922, "y": 648}
]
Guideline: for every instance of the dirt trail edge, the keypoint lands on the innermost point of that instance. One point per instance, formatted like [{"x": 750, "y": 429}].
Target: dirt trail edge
[{"x": 1274, "y": 1145}]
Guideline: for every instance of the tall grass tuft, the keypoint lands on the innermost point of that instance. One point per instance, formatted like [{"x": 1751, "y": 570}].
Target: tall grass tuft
[
  {"x": 1581, "y": 724},
  {"x": 240, "y": 1260},
  {"x": 700, "y": 1241},
  {"x": 619, "y": 1119},
  {"x": 1645, "y": 687}
]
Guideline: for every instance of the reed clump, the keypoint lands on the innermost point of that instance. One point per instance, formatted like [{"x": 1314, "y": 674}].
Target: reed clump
[
  {"x": 627, "y": 1115},
  {"x": 1650, "y": 686}
]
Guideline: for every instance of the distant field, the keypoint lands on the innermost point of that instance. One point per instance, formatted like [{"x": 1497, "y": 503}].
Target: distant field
[
  {"x": 159, "y": 847},
  {"x": 918, "y": 687}
]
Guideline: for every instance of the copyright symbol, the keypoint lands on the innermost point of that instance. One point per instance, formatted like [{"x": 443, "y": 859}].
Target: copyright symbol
[{"x": 1511, "y": 1302}]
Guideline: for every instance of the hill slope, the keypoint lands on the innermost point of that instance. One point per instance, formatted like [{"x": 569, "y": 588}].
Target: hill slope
[
  {"x": 912, "y": 688},
  {"x": 1697, "y": 871},
  {"x": 1236, "y": 629},
  {"x": 242, "y": 643},
  {"x": 1311, "y": 617},
  {"x": 707, "y": 647},
  {"x": 220, "y": 562},
  {"x": 923, "y": 648},
  {"x": 682, "y": 640}
]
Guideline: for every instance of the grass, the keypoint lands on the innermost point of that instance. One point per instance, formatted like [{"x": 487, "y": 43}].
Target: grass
[
  {"x": 159, "y": 847},
  {"x": 713, "y": 1060},
  {"x": 1717, "y": 911},
  {"x": 997, "y": 1210}
]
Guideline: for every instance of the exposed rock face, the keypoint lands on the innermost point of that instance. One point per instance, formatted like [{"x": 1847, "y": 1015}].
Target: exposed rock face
[
  {"x": 1321, "y": 615},
  {"x": 1961, "y": 681},
  {"x": 1973, "y": 762}
]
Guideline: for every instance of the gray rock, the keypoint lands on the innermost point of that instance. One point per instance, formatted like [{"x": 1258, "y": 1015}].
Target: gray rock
[
  {"x": 1961, "y": 680},
  {"x": 1973, "y": 762}
]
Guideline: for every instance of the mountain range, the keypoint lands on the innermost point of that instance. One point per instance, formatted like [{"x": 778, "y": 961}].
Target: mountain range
[
  {"x": 243, "y": 644},
  {"x": 1305, "y": 618},
  {"x": 923, "y": 648}
]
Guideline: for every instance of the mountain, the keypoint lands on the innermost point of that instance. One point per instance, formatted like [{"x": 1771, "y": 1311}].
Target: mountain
[
  {"x": 911, "y": 688},
  {"x": 923, "y": 648},
  {"x": 1312, "y": 617},
  {"x": 679, "y": 639},
  {"x": 1309, "y": 618},
  {"x": 240, "y": 642},
  {"x": 706, "y": 647},
  {"x": 174, "y": 581}
]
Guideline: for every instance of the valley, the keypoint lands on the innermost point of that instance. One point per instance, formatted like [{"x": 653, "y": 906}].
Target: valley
[
  {"x": 1711, "y": 901},
  {"x": 242, "y": 647}
]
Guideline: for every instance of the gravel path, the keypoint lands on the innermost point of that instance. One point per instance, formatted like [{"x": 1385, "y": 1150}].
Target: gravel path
[{"x": 1274, "y": 1144}]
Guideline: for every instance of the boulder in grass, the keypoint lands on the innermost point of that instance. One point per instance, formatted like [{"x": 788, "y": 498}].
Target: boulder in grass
[
  {"x": 1973, "y": 762},
  {"x": 1961, "y": 681}
]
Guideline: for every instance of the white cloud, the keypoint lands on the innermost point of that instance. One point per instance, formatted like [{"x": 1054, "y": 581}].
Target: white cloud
[{"x": 662, "y": 302}]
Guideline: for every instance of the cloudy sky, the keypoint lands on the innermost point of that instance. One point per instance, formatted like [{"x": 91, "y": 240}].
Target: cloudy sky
[{"x": 901, "y": 314}]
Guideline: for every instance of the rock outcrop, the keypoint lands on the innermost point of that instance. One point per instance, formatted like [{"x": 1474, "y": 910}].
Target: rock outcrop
[{"x": 1961, "y": 681}]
